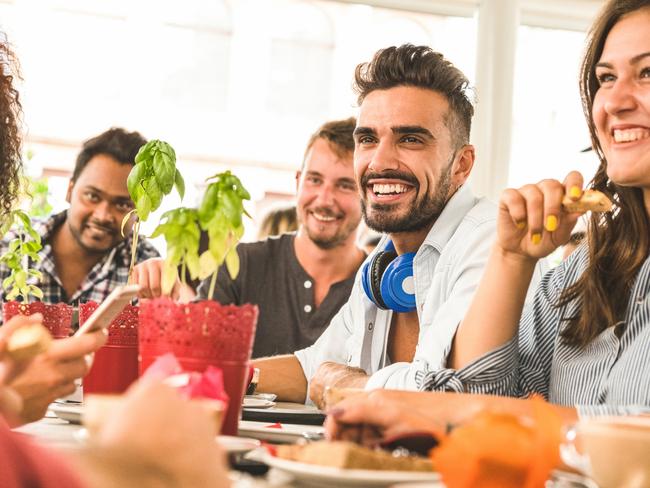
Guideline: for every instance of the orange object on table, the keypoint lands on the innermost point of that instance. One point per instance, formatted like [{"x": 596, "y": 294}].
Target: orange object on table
[{"x": 497, "y": 450}]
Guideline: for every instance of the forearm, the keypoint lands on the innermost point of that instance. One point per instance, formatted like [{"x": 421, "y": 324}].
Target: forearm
[
  {"x": 283, "y": 376},
  {"x": 493, "y": 317}
]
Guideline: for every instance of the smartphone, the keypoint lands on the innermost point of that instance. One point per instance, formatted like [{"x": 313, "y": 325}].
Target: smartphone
[{"x": 102, "y": 317}]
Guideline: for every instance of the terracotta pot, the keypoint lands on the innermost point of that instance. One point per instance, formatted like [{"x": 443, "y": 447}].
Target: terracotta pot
[
  {"x": 201, "y": 334},
  {"x": 57, "y": 317},
  {"x": 115, "y": 365}
]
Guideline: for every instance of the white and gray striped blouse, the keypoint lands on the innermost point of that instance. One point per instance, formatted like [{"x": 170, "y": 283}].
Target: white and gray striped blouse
[{"x": 611, "y": 375}]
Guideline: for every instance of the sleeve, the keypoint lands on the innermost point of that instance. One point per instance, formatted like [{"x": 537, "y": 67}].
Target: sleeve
[
  {"x": 519, "y": 367},
  {"x": 226, "y": 291},
  {"x": 463, "y": 275}
]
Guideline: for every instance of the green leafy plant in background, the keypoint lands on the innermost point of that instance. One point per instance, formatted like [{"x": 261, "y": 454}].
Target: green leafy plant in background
[
  {"x": 220, "y": 215},
  {"x": 21, "y": 249},
  {"x": 153, "y": 176},
  {"x": 39, "y": 192}
]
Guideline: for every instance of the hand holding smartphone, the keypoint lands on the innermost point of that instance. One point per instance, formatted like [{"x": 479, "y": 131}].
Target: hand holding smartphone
[{"x": 109, "y": 309}]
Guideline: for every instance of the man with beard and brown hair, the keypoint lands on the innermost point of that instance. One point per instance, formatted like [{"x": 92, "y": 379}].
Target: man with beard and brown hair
[
  {"x": 412, "y": 158},
  {"x": 299, "y": 280}
]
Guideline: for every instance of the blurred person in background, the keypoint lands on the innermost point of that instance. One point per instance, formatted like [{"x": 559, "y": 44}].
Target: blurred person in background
[
  {"x": 278, "y": 220},
  {"x": 299, "y": 280}
]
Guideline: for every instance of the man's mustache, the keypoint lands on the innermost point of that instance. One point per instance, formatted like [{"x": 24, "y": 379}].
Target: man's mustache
[{"x": 392, "y": 175}]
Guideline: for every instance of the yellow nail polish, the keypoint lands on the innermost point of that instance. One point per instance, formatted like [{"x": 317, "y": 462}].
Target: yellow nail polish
[
  {"x": 575, "y": 192},
  {"x": 551, "y": 223},
  {"x": 536, "y": 238},
  {"x": 521, "y": 225}
]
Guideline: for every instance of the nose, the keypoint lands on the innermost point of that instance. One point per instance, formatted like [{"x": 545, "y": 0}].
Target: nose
[
  {"x": 384, "y": 157},
  {"x": 102, "y": 212},
  {"x": 620, "y": 97},
  {"x": 325, "y": 196}
]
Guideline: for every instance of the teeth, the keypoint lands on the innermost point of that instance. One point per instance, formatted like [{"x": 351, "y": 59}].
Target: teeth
[
  {"x": 385, "y": 189},
  {"x": 324, "y": 218},
  {"x": 629, "y": 135}
]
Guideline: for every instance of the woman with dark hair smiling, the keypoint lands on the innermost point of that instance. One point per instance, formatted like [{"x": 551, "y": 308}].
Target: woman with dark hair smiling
[{"x": 584, "y": 345}]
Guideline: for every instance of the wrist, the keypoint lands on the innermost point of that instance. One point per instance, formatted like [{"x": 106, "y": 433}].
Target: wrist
[{"x": 514, "y": 260}]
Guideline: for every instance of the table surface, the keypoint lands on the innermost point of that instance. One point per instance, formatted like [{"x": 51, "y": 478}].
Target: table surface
[{"x": 60, "y": 434}]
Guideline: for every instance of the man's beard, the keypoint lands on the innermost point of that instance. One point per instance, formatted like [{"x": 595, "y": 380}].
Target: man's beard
[
  {"x": 77, "y": 234},
  {"x": 330, "y": 241},
  {"x": 421, "y": 215}
]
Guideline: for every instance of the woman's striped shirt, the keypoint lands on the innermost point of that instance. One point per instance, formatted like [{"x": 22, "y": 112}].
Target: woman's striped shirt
[{"x": 611, "y": 375}]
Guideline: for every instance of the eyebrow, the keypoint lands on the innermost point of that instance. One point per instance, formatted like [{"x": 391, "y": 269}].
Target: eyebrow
[
  {"x": 634, "y": 60},
  {"x": 114, "y": 198},
  {"x": 399, "y": 129}
]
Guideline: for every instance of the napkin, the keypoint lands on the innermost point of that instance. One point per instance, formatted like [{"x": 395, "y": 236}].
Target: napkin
[{"x": 191, "y": 384}]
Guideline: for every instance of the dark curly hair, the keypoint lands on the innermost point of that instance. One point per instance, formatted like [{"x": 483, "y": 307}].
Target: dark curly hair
[{"x": 11, "y": 163}]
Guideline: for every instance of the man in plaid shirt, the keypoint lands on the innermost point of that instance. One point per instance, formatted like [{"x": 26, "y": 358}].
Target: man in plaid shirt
[{"x": 84, "y": 255}]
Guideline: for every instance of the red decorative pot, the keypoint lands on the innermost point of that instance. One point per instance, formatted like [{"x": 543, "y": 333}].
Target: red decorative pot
[{"x": 57, "y": 317}]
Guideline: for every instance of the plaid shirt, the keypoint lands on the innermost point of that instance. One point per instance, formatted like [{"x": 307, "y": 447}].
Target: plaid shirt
[{"x": 112, "y": 270}]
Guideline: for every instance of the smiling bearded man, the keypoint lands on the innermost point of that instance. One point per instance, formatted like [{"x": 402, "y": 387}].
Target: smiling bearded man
[
  {"x": 412, "y": 158},
  {"x": 84, "y": 255}
]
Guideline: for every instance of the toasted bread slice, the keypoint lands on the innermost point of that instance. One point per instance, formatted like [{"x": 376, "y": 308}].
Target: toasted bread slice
[
  {"x": 590, "y": 201},
  {"x": 28, "y": 341},
  {"x": 343, "y": 454}
]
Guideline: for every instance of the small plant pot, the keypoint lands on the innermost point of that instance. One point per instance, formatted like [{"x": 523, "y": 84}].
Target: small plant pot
[
  {"x": 57, "y": 317},
  {"x": 115, "y": 365},
  {"x": 201, "y": 334}
]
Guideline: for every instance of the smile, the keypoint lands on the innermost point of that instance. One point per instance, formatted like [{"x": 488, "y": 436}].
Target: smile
[
  {"x": 630, "y": 135},
  {"x": 392, "y": 189},
  {"x": 323, "y": 218}
]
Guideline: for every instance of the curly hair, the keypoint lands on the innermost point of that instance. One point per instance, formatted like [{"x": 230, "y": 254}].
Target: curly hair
[
  {"x": 618, "y": 241},
  {"x": 10, "y": 135}
]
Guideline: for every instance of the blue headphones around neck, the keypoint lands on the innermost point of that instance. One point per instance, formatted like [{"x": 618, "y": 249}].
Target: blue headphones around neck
[{"x": 388, "y": 280}]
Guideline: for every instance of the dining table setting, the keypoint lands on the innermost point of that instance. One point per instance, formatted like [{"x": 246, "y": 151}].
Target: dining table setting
[{"x": 252, "y": 452}]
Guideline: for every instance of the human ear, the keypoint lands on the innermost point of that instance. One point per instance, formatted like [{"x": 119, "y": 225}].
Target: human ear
[
  {"x": 463, "y": 164},
  {"x": 68, "y": 195}
]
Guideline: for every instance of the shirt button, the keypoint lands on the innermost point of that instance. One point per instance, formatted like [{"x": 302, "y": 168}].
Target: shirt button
[
  {"x": 370, "y": 326},
  {"x": 307, "y": 308},
  {"x": 307, "y": 284}
]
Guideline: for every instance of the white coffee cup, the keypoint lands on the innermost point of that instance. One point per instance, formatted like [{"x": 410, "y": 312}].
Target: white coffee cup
[{"x": 614, "y": 451}]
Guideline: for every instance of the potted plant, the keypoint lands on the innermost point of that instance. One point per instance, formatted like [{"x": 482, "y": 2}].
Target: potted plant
[
  {"x": 203, "y": 333},
  {"x": 153, "y": 176},
  {"x": 21, "y": 283}
]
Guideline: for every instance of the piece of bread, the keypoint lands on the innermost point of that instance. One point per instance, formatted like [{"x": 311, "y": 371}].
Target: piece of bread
[
  {"x": 343, "y": 454},
  {"x": 28, "y": 341},
  {"x": 590, "y": 201}
]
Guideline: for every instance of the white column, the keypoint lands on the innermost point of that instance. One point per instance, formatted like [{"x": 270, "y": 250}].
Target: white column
[{"x": 498, "y": 21}]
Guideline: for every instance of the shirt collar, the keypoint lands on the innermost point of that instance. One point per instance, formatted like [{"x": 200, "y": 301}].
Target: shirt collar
[{"x": 452, "y": 215}]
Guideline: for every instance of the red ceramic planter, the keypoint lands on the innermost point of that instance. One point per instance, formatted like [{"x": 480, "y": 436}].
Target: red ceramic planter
[
  {"x": 201, "y": 334},
  {"x": 115, "y": 365},
  {"x": 57, "y": 317}
]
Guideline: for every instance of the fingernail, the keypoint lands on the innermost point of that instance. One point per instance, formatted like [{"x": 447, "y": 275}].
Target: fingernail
[
  {"x": 536, "y": 238},
  {"x": 575, "y": 192},
  {"x": 551, "y": 223},
  {"x": 521, "y": 225},
  {"x": 335, "y": 412}
]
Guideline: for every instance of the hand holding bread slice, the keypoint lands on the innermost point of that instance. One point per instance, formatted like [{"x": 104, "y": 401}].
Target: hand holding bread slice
[
  {"x": 590, "y": 201},
  {"x": 28, "y": 341}
]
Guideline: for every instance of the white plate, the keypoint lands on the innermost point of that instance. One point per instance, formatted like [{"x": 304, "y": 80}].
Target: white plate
[
  {"x": 229, "y": 443},
  {"x": 286, "y": 433},
  {"x": 325, "y": 476},
  {"x": 257, "y": 403},
  {"x": 263, "y": 396},
  {"x": 67, "y": 411}
]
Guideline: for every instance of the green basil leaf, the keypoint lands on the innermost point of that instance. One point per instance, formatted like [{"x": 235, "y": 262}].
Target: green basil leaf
[
  {"x": 180, "y": 184},
  {"x": 144, "y": 206},
  {"x": 7, "y": 282},
  {"x": 136, "y": 176},
  {"x": 164, "y": 172},
  {"x": 232, "y": 263}
]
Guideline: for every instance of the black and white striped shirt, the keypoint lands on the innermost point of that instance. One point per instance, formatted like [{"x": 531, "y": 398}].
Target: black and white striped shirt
[{"x": 611, "y": 375}]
